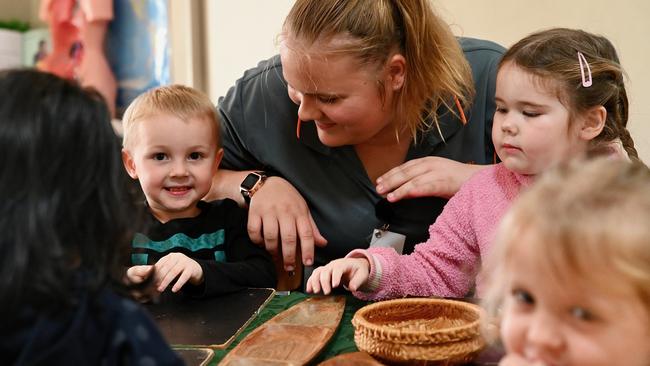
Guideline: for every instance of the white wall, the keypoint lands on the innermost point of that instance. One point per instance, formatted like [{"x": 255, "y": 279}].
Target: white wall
[{"x": 241, "y": 33}]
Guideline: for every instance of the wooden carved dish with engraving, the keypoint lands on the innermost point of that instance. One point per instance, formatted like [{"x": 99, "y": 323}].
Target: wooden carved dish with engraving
[{"x": 293, "y": 337}]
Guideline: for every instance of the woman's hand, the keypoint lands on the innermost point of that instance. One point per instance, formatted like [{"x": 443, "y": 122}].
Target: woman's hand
[
  {"x": 429, "y": 176},
  {"x": 349, "y": 272},
  {"x": 278, "y": 215}
]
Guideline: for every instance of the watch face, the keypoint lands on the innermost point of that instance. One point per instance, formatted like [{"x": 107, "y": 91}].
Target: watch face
[{"x": 250, "y": 181}]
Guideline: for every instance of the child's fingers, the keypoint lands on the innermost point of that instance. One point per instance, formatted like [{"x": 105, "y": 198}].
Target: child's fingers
[
  {"x": 138, "y": 274},
  {"x": 182, "y": 280},
  {"x": 162, "y": 262},
  {"x": 326, "y": 280},
  {"x": 140, "y": 271},
  {"x": 166, "y": 280},
  {"x": 167, "y": 272},
  {"x": 314, "y": 280},
  {"x": 308, "y": 286},
  {"x": 168, "y": 268},
  {"x": 193, "y": 272},
  {"x": 358, "y": 279},
  {"x": 337, "y": 273}
]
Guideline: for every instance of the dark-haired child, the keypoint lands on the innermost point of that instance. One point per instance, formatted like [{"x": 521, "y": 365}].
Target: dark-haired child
[{"x": 65, "y": 215}]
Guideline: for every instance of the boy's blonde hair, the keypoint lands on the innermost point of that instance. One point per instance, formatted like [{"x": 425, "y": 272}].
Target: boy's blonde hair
[
  {"x": 436, "y": 68},
  {"x": 178, "y": 100},
  {"x": 585, "y": 216}
]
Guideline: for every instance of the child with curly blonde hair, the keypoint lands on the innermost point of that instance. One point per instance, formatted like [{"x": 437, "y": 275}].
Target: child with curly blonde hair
[{"x": 570, "y": 272}]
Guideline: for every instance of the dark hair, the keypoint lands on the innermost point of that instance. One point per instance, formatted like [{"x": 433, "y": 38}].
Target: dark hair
[
  {"x": 64, "y": 203},
  {"x": 553, "y": 54}
]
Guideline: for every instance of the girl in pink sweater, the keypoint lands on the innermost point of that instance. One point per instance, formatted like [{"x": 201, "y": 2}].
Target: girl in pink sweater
[{"x": 559, "y": 95}]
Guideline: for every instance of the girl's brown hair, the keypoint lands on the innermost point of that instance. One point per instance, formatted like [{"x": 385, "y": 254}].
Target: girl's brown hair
[
  {"x": 553, "y": 55},
  {"x": 436, "y": 69}
]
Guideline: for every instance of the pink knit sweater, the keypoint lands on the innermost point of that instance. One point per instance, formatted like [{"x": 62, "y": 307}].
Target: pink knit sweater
[{"x": 447, "y": 263}]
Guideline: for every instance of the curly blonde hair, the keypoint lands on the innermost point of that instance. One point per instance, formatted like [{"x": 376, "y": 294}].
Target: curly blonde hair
[{"x": 583, "y": 215}]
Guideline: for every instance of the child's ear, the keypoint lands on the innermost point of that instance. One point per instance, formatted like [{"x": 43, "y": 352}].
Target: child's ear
[
  {"x": 129, "y": 164},
  {"x": 217, "y": 158},
  {"x": 593, "y": 123},
  {"x": 396, "y": 66}
]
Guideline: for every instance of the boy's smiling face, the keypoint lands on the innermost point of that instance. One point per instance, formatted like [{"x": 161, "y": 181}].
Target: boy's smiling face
[{"x": 174, "y": 160}]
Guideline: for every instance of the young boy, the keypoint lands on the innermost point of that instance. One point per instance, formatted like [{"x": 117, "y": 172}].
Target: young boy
[{"x": 171, "y": 145}]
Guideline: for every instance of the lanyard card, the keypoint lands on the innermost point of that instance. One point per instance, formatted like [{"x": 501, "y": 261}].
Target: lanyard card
[
  {"x": 382, "y": 237},
  {"x": 388, "y": 239}
]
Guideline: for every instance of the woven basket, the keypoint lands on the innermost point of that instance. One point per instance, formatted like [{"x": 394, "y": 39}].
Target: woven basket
[{"x": 408, "y": 330}]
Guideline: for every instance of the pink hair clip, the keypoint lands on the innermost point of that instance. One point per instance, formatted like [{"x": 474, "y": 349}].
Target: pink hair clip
[{"x": 586, "y": 82}]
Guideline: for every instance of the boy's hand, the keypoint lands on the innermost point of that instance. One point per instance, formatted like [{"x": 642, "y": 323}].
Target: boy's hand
[
  {"x": 349, "y": 272},
  {"x": 136, "y": 277},
  {"x": 138, "y": 274},
  {"x": 177, "y": 266}
]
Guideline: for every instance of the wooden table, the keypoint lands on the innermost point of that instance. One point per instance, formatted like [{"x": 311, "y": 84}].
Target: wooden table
[{"x": 343, "y": 339}]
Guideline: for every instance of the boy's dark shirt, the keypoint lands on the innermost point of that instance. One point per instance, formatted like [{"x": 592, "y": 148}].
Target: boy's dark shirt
[{"x": 217, "y": 239}]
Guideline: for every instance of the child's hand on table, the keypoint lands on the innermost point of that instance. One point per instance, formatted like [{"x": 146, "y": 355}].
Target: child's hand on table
[
  {"x": 139, "y": 278},
  {"x": 352, "y": 273},
  {"x": 177, "y": 266}
]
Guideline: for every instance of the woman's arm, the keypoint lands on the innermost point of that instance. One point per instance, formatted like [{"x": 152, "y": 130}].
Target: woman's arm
[
  {"x": 278, "y": 216},
  {"x": 225, "y": 184}
]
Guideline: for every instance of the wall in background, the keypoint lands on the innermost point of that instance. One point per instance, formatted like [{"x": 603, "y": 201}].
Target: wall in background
[
  {"x": 241, "y": 33},
  {"x": 10, "y": 9},
  {"x": 215, "y": 41},
  {"x": 23, "y": 10}
]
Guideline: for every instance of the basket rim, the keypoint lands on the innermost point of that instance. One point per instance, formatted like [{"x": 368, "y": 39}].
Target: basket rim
[{"x": 361, "y": 321}]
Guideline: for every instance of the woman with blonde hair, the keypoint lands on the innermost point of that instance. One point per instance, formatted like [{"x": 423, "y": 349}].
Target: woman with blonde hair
[{"x": 370, "y": 118}]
